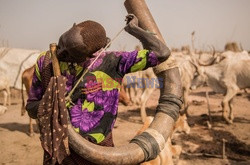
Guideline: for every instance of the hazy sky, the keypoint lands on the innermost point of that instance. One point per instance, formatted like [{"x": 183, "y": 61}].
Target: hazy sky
[{"x": 33, "y": 24}]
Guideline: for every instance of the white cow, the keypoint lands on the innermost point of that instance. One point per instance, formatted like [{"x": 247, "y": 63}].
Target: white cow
[
  {"x": 229, "y": 76},
  {"x": 5, "y": 88},
  {"x": 232, "y": 55}
]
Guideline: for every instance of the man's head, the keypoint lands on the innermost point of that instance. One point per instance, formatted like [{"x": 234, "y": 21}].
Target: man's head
[{"x": 81, "y": 41}]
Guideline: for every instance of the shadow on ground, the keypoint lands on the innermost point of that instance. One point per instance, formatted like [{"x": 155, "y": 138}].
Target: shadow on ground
[
  {"x": 216, "y": 119},
  {"x": 18, "y": 127},
  {"x": 133, "y": 114},
  {"x": 236, "y": 150}
]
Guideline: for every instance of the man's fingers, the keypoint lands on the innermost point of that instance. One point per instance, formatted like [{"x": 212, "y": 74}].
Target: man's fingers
[{"x": 129, "y": 18}]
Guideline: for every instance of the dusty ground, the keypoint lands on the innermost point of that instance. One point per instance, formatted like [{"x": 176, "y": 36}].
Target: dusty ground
[{"x": 201, "y": 146}]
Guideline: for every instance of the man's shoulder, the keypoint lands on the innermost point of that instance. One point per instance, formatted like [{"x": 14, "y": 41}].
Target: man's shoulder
[
  {"x": 41, "y": 55},
  {"x": 40, "y": 60}
]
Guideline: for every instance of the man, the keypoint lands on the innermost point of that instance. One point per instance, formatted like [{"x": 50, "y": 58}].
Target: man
[{"x": 94, "y": 103}]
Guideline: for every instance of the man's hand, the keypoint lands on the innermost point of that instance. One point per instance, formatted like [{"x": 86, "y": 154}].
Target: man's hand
[
  {"x": 148, "y": 40},
  {"x": 132, "y": 22},
  {"x": 131, "y": 19}
]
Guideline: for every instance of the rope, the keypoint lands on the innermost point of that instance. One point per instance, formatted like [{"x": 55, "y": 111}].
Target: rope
[{"x": 87, "y": 69}]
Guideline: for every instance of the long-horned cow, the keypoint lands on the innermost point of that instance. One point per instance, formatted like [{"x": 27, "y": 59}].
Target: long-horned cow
[{"x": 228, "y": 76}]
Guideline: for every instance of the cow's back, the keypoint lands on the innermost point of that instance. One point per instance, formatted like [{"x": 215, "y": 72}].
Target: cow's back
[{"x": 241, "y": 73}]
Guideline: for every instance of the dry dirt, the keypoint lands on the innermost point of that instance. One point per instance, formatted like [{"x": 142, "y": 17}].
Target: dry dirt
[{"x": 201, "y": 146}]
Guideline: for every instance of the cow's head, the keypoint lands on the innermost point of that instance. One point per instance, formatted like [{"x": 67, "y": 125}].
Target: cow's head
[{"x": 200, "y": 77}]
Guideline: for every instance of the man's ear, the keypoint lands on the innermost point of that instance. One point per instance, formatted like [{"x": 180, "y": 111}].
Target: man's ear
[{"x": 108, "y": 40}]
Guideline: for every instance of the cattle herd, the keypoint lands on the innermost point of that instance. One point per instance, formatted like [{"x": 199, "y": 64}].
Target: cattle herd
[{"x": 226, "y": 72}]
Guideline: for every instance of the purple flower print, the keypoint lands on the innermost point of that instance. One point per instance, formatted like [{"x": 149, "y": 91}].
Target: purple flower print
[
  {"x": 96, "y": 97},
  {"x": 83, "y": 119},
  {"x": 111, "y": 99},
  {"x": 153, "y": 59}
]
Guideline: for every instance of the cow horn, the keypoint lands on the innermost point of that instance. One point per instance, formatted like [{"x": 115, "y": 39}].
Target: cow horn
[
  {"x": 213, "y": 50},
  {"x": 123, "y": 155},
  {"x": 211, "y": 61}
]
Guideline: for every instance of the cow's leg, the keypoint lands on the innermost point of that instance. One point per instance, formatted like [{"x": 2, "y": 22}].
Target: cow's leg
[
  {"x": 5, "y": 96},
  {"x": 123, "y": 98},
  {"x": 9, "y": 94},
  {"x": 231, "y": 92},
  {"x": 144, "y": 98},
  {"x": 181, "y": 125},
  {"x": 128, "y": 93},
  {"x": 31, "y": 131},
  {"x": 176, "y": 151},
  {"x": 185, "y": 101},
  {"x": 132, "y": 94},
  {"x": 168, "y": 158},
  {"x": 231, "y": 114},
  {"x": 138, "y": 96}
]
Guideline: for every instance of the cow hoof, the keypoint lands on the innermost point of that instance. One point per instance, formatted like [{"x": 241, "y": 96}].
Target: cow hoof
[
  {"x": 228, "y": 121},
  {"x": 31, "y": 134}
]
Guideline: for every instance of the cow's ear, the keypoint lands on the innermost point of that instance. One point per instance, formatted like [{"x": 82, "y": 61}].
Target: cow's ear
[{"x": 74, "y": 24}]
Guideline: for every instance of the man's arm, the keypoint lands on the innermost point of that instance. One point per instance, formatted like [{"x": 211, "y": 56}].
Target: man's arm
[
  {"x": 148, "y": 40},
  {"x": 36, "y": 89}
]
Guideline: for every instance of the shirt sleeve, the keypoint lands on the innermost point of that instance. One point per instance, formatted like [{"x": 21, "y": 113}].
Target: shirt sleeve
[
  {"x": 137, "y": 60},
  {"x": 36, "y": 90}
]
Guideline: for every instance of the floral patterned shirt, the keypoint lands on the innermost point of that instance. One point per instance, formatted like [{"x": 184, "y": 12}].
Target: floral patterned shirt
[{"x": 95, "y": 100}]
